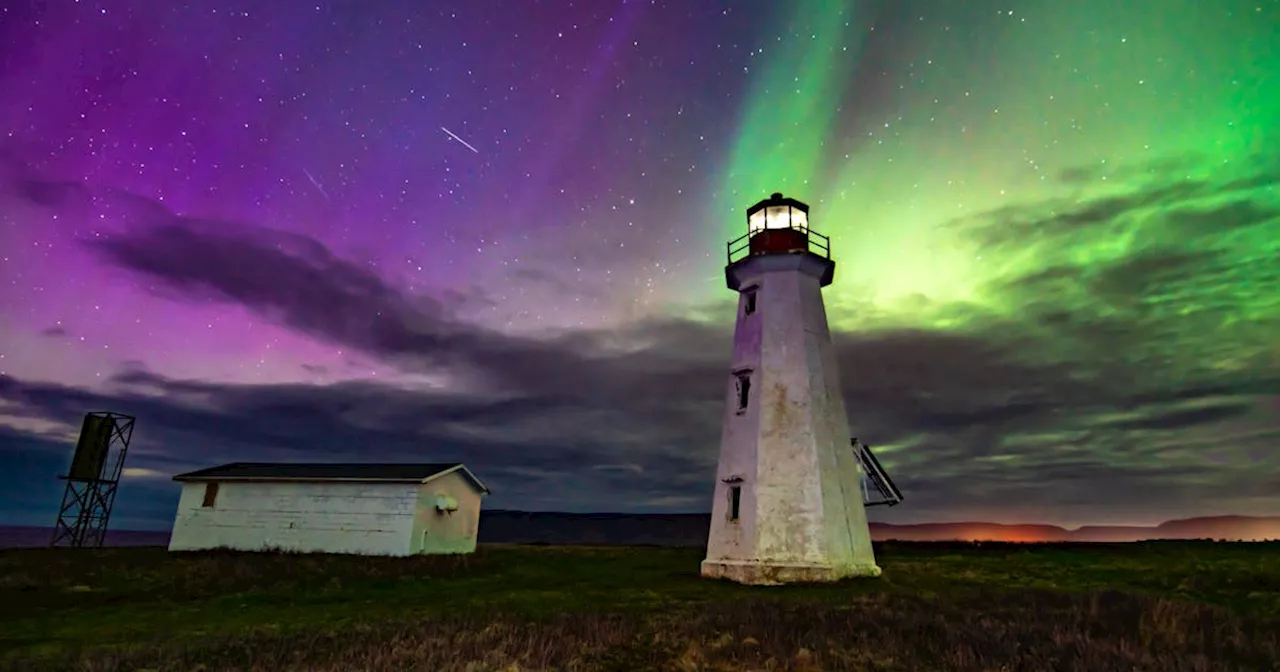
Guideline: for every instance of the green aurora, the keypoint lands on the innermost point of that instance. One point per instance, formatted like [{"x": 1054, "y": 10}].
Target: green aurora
[{"x": 1082, "y": 152}]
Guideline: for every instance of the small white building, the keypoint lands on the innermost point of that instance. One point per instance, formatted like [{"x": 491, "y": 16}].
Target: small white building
[{"x": 367, "y": 509}]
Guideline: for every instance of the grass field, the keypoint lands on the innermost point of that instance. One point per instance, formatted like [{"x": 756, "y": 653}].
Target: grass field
[{"x": 1164, "y": 606}]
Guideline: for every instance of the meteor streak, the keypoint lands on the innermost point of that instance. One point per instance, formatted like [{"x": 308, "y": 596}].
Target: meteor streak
[
  {"x": 464, "y": 142},
  {"x": 315, "y": 183}
]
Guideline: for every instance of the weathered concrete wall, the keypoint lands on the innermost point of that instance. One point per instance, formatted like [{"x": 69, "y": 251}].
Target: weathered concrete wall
[
  {"x": 371, "y": 519},
  {"x": 848, "y": 534},
  {"x": 446, "y": 532},
  {"x": 801, "y": 488},
  {"x": 728, "y": 539},
  {"x": 790, "y": 494}
]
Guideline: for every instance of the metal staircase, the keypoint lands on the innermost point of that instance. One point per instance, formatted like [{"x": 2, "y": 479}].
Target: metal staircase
[{"x": 873, "y": 473}]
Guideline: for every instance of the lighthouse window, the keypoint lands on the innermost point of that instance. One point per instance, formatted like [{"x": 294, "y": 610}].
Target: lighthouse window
[
  {"x": 749, "y": 305},
  {"x": 735, "y": 500},
  {"x": 744, "y": 390}
]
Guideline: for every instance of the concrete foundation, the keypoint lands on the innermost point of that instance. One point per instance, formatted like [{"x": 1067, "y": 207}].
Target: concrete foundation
[{"x": 761, "y": 573}]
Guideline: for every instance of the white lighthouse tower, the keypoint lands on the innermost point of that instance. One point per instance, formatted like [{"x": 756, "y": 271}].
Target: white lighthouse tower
[{"x": 788, "y": 502}]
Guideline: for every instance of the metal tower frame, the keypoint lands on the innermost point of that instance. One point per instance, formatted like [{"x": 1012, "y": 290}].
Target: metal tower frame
[
  {"x": 92, "y": 480},
  {"x": 890, "y": 495}
]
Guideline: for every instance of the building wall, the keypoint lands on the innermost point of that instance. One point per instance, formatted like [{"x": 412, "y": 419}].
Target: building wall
[
  {"x": 730, "y": 539},
  {"x": 848, "y": 535},
  {"x": 789, "y": 494},
  {"x": 362, "y": 518},
  {"x": 446, "y": 532}
]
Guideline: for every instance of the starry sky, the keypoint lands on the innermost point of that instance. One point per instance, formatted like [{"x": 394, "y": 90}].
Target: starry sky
[{"x": 494, "y": 231}]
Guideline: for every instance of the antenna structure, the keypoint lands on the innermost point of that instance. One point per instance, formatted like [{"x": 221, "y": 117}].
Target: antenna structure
[{"x": 92, "y": 480}]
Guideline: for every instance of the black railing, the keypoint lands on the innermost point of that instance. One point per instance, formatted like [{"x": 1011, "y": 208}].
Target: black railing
[
  {"x": 743, "y": 242},
  {"x": 739, "y": 248},
  {"x": 819, "y": 242}
]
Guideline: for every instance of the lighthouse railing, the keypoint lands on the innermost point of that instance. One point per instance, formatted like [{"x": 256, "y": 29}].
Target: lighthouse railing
[
  {"x": 740, "y": 247},
  {"x": 821, "y": 243}
]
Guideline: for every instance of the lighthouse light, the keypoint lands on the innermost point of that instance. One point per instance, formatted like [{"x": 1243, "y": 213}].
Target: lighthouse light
[
  {"x": 777, "y": 217},
  {"x": 799, "y": 219}
]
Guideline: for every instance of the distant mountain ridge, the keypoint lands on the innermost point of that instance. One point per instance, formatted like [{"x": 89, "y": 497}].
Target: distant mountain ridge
[{"x": 690, "y": 529}]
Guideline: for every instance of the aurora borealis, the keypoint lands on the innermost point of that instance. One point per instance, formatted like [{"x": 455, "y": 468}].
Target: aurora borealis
[{"x": 1057, "y": 230}]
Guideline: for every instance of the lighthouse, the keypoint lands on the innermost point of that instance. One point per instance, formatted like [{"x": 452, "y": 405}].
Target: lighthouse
[{"x": 788, "y": 501}]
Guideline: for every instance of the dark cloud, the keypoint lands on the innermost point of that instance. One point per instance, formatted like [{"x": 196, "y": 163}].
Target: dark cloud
[
  {"x": 1165, "y": 170},
  {"x": 300, "y": 283},
  {"x": 1221, "y": 217},
  {"x": 1265, "y": 384},
  {"x": 1186, "y": 417},
  {"x": 537, "y": 453},
  {"x": 1135, "y": 278},
  {"x": 1023, "y": 225},
  {"x": 23, "y": 183},
  {"x": 51, "y": 193},
  {"x": 907, "y": 381}
]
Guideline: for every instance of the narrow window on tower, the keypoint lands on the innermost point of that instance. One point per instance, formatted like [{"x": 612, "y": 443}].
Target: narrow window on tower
[
  {"x": 210, "y": 495},
  {"x": 744, "y": 390},
  {"x": 735, "y": 500},
  {"x": 749, "y": 302}
]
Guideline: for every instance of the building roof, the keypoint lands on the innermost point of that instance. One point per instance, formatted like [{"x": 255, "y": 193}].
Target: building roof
[{"x": 332, "y": 471}]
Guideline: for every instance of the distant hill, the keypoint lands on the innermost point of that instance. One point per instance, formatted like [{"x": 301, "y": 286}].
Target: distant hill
[
  {"x": 1246, "y": 528},
  {"x": 690, "y": 529}
]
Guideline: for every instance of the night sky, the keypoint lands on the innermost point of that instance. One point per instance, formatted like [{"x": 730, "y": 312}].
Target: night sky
[{"x": 494, "y": 231}]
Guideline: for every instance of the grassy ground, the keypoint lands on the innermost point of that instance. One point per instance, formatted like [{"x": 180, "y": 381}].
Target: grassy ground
[{"x": 1153, "y": 606}]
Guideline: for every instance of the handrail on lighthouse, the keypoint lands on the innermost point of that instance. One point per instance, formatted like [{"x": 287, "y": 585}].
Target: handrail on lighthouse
[{"x": 778, "y": 225}]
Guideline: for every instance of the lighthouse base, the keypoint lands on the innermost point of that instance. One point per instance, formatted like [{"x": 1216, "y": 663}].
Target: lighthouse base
[{"x": 772, "y": 573}]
